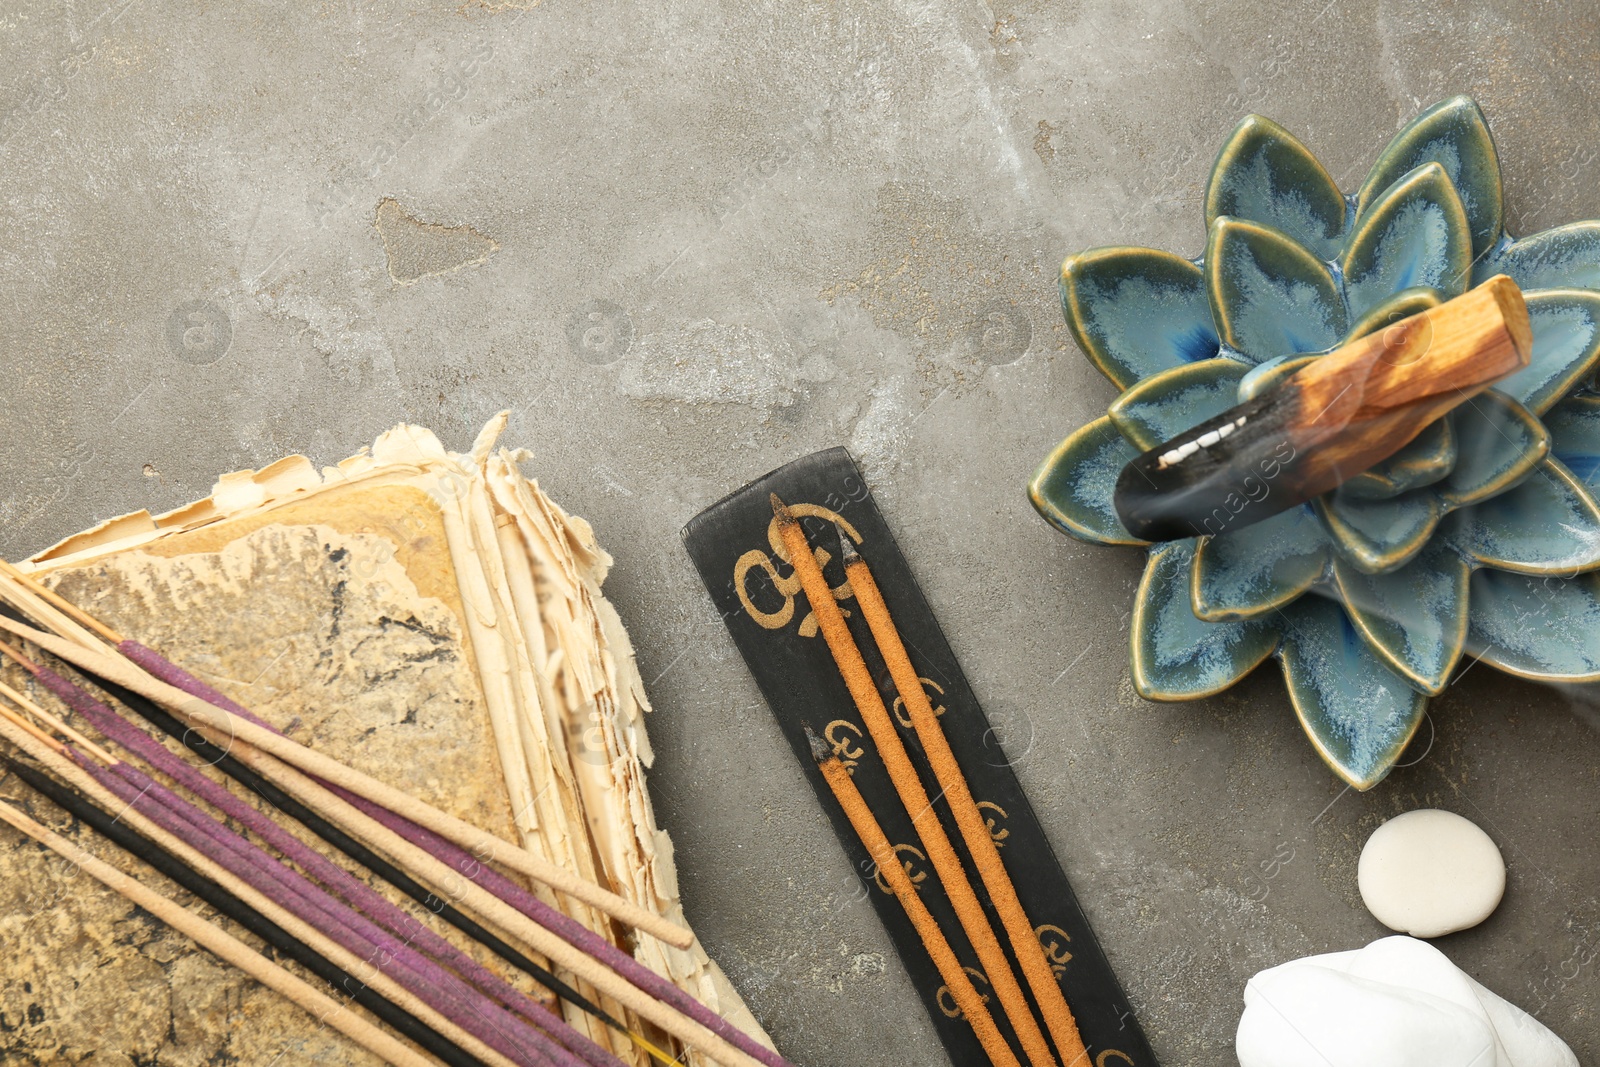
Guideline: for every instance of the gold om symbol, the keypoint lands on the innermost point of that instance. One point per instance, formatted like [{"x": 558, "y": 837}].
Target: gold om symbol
[
  {"x": 999, "y": 835},
  {"x": 1054, "y": 940},
  {"x": 917, "y": 877},
  {"x": 903, "y": 717},
  {"x": 788, "y": 587},
  {"x": 947, "y": 1003},
  {"x": 838, "y": 735}
]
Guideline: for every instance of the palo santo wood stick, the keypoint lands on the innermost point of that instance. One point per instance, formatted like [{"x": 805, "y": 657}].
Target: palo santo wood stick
[
  {"x": 883, "y": 855},
  {"x": 1329, "y": 421},
  {"x": 974, "y": 830},
  {"x": 909, "y": 787},
  {"x": 226, "y": 947},
  {"x": 116, "y": 668}
]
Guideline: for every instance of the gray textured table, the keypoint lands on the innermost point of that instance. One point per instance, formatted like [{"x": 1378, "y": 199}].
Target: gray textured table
[{"x": 687, "y": 243}]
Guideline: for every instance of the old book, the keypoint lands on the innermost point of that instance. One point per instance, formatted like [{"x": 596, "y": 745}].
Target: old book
[{"x": 431, "y": 618}]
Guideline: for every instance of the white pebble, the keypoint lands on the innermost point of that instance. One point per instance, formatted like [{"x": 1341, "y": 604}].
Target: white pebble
[
  {"x": 1208, "y": 439},
  {"x": 1428, "y": 873}
]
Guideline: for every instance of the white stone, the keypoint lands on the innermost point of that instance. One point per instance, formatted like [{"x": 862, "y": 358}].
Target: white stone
[
  {"x": 1399, "y": 1002},
  {"x": 1428, "y": 873}
]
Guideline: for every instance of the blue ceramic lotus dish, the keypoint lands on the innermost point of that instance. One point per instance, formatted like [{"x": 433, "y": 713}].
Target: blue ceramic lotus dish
[{"x": 1481, "y": 537}]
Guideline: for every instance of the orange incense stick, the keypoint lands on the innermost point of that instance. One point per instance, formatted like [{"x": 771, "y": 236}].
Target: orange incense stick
[
  {"x": 871, "y": 834},
  {"x": 906, "y": 783},
  {"x": 974, "y": 831}
]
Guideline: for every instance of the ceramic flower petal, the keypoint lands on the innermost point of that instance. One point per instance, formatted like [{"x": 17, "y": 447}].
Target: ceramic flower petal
[
  {"x": 1415, "y": 234},
  {"x": 1567, "y": 257},
  {"x": 1574, "y": 426},
  {"x": 1177, "y": 656},
  {"x": 1544, "y": 628},
  {"x": 1072, "y": 488},
  {"x": 1547, "y": 524},
  {"x": 1430, "y": 457},
  {"x": 1498, "y": 441},
  {"x": 1269, "y": 296},
  {"x": 1136, "y": 311},
  {"x": 1415, "y": 618},
  {"x": 1265, "y": 376},
  {"x": 1566, "y": 345},
  {"x": 1264, "y": 175},
  {"x": 1166, "y": 404},
  {"x": 1454, "y": 135},
  {"x": 1401, "y": 305},
  {"x": 1358, "y": 712},
  {"x": 1379, "y": 535},
  {"x": 1253, "y": 570}
]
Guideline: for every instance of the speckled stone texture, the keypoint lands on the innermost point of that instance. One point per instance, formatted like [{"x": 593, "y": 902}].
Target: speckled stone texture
[{"x": 729, "y": 234}]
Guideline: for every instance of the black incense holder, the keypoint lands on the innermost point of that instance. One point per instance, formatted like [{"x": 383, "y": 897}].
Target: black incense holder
[{"x": 735, "y": 547}]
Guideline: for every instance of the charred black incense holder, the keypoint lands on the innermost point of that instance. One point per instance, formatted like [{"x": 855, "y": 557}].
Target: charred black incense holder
[{"x": 1328, "y": 421}]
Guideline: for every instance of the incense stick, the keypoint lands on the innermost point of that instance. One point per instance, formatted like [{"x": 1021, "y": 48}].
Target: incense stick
[
  {"x": 225, "y": 947},
  {"x": 114, "y": 667},
  {"x": 666, "y": 1005},
  {"x": 218, "y": 758},
  {"x": 564, "y": 941},
  {"x": 273, "y": 755},
  {"x": 135, "y": 844},
  {"x": 974, "y": 830},
  {"x": 394, "y": 920},
  {"x": 75, "y": 776},
  {"x": 887, "y": 863},
  {"x": 441, "y": 990},
  {"x": 942, "y": 854}
]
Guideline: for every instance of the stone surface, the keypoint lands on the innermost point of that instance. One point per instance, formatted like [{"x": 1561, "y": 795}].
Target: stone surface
[
  {"x": 730, "y": 235},
  {"x": 1428, "y": 873}
]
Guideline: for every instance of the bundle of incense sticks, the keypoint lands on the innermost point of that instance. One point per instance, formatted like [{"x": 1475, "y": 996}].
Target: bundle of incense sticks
[
  {"x": 341, "y": 919},
  {"x": 602, "y": 975},
  {"x": 850, "y": 658}
]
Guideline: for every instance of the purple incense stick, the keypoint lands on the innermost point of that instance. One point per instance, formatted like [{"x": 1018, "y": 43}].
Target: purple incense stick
[
  {"x": 448, "y": 852},
  {"x": 399, "y": 922},
  {"x": 291, "y": 891}
]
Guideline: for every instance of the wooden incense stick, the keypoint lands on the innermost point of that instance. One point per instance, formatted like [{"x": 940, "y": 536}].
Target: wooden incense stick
[
  {"x": 888, "y": 864},
  {"x": 488, "y": 1010},
  {"x": 282, "y": 801},
  {"x": 664, "y": 1004},
  {"x": 452, "y": 883},
  {"x": 64, "y": 769},
  {"x": 60, "y": 602},
  {"x": 941, "y": 853},
  {"x": 121, "y": 835},
  {"x": 226, "y": 947},
  {"x": 974, "y": 829},
  {"x": 114, "y": 667},
  {"x": 394, "y": 922}
]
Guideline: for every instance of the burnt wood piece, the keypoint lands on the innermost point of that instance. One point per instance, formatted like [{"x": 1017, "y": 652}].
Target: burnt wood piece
[{"x": 1327, "y": 422}]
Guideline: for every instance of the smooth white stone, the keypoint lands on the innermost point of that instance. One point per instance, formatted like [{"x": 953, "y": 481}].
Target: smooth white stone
[
  {"x": 1209, "y": 438},
  {"x": 1399, "y": 1002},
  {"x": 1428, "y": 873}
]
